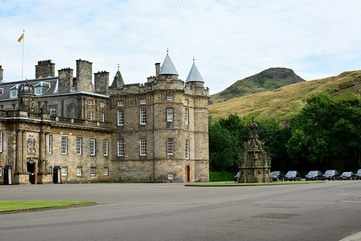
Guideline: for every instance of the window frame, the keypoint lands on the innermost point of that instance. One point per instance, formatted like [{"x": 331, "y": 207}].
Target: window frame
[
  {"x": 143, "y": 147},
  {"x": 49, "y": 143},
  {"x": 142, "y": 115},
  {"x": 79, "y": 145},
  {"x": 170, "y": 144},
  {"x": 64, "y": 171},
  {"x": 121, "y": 147},
  {"x": 105, "y": 147},
  {"x": 187, "y": 154},
  {"x": 64, "y": 145},
  {"x": 92, "y": 147},
  {"x": 1, "y": 141},
  {"x": 120, "y": 117},
  {"x": 79, "y": 171},
  {"x": 91, "y": 173}
]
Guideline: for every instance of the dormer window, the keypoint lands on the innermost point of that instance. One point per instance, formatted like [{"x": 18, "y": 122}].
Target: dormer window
[
  {"x": 13, "y": 93},
  {"x": 41, "y": 88},
  {"x": 1, "y": 91}
]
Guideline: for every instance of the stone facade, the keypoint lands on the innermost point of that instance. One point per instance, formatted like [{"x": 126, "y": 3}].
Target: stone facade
[{"x": 63, "y": 129}]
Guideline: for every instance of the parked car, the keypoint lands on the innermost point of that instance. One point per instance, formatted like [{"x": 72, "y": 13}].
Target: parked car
[
  {"x": 292, "y": 176},
  {"x": 358, "y": 174},
  {"x": 330, "y": 175},
  {"x": 313, "y": 175},
  {"x": 347, "y": 176},
  {"x": 276, "y": 176}
]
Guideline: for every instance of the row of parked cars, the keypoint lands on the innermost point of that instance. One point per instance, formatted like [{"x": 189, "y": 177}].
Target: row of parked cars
[{"x": 316, "y": 175}]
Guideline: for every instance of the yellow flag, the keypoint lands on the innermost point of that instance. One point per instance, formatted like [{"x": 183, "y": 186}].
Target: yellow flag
[{"x": 21, "y": 38}]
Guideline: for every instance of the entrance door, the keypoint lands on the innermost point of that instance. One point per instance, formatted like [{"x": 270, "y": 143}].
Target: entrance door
[
  {"x": 32, "y": 171},
  {"x": 56, "y": 175},
  {"x": 188, "y": 173},
  {"x": 8, "y": 175}
]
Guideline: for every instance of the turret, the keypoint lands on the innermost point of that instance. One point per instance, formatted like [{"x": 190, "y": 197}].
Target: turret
[
  {"x": 118, "y": 81},
  {"x": 168, "y": 69}
]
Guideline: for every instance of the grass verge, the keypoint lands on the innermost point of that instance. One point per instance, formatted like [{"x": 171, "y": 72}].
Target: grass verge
[
  {"x": 12, "y": 206},
  {"x": 234, "y": 184},
  {"x": 216, "y": 176}
]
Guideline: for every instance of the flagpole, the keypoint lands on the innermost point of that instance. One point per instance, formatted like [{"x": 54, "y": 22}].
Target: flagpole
[{"x": 22, "y": 56}]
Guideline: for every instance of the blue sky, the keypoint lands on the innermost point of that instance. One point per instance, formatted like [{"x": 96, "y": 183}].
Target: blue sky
[{"x": 230, "y": 39}]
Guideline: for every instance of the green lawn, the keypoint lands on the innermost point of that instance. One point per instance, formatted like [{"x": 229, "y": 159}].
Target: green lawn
[
  {"x": 217, "y": 176},
  {"x": 8, "y": 206},
  {"x": 234, "y": 184}
]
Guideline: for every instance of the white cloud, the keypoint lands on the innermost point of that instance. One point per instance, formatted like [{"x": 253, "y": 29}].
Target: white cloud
[{"x": 231, "y": 39}]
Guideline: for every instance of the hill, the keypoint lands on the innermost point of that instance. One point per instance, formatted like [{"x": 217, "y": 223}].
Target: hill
[
  {"x": 268, "y": 79},
  {"x": 286, "y": 101}
]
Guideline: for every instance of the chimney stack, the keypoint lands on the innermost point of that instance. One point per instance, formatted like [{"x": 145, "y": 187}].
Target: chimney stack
[
  {"x": 84, "y": 74},
  {"x": 65, "y": 80},
  {"x": 157, "y": 69},
  {"x": 101, "y": 80},
  {"x": 44, "y": 69},
  {"x": 1, "y": 73}
]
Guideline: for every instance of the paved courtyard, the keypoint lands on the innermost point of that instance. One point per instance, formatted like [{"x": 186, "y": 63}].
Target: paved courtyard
[{"x": 172, "y": 212}]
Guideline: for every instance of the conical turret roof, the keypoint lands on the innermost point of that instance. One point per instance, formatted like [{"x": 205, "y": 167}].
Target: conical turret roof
[
  {"x": 168, "y": 67},
  {"x": 118, "y": 81},
  {"x": 194, "y": 74}
]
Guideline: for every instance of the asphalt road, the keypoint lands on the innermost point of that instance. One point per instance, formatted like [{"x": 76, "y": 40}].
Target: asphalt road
[{"x": 171, "y": 212}]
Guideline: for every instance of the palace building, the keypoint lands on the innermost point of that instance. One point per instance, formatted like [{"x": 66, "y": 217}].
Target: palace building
[{"x": 73, "y": 128}]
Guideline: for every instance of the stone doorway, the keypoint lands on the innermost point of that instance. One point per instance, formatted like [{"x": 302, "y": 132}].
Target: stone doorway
[
  {"x": 188, "y": 173},
  {"x": 56, "y": 174},
  {"x": 31, "y": 168},
  {"x": 8, "y": 175}
]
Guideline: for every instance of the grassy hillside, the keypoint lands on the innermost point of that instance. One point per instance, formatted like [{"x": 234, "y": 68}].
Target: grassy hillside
[
  {"x": 284, "y": 102},
  {"x": 268, "y": 79}
]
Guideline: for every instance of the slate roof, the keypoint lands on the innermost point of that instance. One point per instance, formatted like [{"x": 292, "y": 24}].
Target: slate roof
[
  {"x": 118, "y": 81},
  {"x": 168, "y": 67},
  {"x": 194, "y": 74}
]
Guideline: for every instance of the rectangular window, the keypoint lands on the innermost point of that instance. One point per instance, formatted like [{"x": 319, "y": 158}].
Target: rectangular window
[
  {"x": 1, "y": 171},
  {"x": 52, "y": 111},
  {"x": 102, "y": 117},
  {"x": 106, "y": 171},
  {"x": 79, "y": 145},
  {"x": 120, "y": 148},
  {"x": 50, "y": 144},
  {"x": 64, "y": 171},
  {"x": 92, "y": 147},
  {"x": 186, "y": 116},
  {"x": 120, "y": 118},
  {"x": 13, "y": 93},
  {"x": 79, "y": 171},
  {"x": 143, "y": 147},
  {"x": 64, "y": 145},
  {"x": 105, "y": 147},
  {"x": 169, "y": 115},
  {"x": 170, "y": 97},
  {"x": 1, "y": 141},
  {"x": 187, "y": 150},
  {"x": 93, "y": 171},
  {"x": 120, "y": 103},
  {"x": 90, "y": 115},
  {"x": 170, "y": 146},
  {"x": 143, "y": 115}
]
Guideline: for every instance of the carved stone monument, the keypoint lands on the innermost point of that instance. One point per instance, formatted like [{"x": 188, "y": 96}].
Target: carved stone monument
[{"x": 256, "y": 165}]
